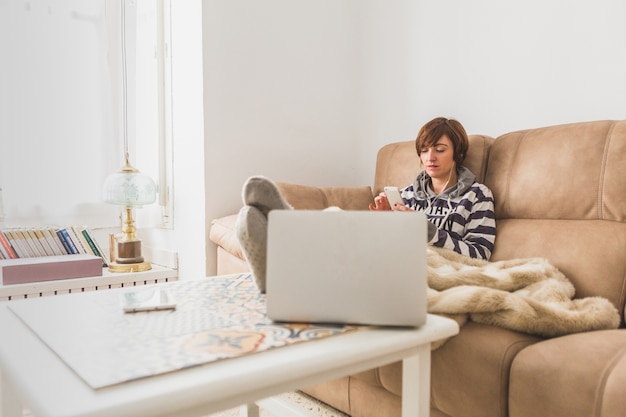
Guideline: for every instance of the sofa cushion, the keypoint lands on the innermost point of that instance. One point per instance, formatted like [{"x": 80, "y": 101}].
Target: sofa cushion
[
  {"x": 578, "y": 165},
  {"x": 335, "y": 392},
  {"x": 578, "y": 375},
  {"x": 368, "y": 401},
  {"x": 305, "y": 197},
  {"x": 388, "y": 377},
  {"x": 470, "y": 372},
  {"x": 577, "y": 247}
]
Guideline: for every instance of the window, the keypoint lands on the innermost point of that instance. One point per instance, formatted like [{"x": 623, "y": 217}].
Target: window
[{"x": 61, "y": 123}]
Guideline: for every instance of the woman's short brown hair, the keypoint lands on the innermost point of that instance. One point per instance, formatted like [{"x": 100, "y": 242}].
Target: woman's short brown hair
[{"x": 432, "y": 131}]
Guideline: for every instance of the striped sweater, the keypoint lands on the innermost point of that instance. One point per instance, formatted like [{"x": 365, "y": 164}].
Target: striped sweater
[{"x": 460, "y": 218}]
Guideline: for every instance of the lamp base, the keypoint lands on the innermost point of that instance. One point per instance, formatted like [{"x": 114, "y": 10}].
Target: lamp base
[
  {"x": 129, "y": 252},
  {"x": 136, "y": 267}
]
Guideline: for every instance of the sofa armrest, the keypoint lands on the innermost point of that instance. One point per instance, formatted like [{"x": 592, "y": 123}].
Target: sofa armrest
[{"x": 222, "y": 233}]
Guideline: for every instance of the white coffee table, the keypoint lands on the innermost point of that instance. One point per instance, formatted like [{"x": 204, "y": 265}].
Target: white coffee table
[{"x": 33, "y": 374}]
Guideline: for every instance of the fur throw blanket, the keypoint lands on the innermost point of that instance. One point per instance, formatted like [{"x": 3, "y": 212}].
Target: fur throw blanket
[{"x": 526, "y": 295}]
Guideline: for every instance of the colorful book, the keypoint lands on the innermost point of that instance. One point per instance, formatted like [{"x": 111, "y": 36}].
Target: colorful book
[
  {"x": 43, "y": 242},
  {"x": 17, "y": 244},
  {"x": 54, "y": 241},
  {"x": 18, "y": 251},
  {"x": 66, "y": 240},
  {"x": 103, "y": 253},
  {"x": 32, "y": 237},
  {"x": 6, "y": 246},
  {"x": 94, "y": 247},
  {"x": 76, "y": 240},
  {"x": 3, "y": 248},
  {"x": 83, "y": 241},
  {"x": 28, "y": 243},
  {"x": 22, "y": 242}
]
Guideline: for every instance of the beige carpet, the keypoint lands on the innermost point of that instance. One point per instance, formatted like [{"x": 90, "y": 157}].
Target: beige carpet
[{"x": 309, "y": 405}]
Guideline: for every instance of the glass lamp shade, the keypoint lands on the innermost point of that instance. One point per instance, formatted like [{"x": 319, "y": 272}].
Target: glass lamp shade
[{"x": 129, "y": 188}]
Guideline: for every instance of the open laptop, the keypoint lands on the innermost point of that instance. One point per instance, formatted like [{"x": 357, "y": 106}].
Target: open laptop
[{"x": 355, "y": 267}]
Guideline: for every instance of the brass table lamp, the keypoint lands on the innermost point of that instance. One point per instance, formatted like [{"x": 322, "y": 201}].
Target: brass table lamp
[{"x": 128, "y": 188}]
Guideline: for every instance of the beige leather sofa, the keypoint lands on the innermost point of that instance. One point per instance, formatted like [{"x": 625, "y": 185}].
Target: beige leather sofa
[{"x": 560, "y": 193}]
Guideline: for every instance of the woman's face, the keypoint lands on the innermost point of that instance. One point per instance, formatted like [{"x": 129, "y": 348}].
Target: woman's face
[{"x": 438, "y": 160}]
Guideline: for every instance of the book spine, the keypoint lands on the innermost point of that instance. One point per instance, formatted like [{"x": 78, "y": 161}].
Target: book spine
[
  {"x": 83, "y": 241},
  {"x": 15, "y": 244},
  {"x": 51, "y": 242},
  {"x": 103, "y": 254},
  {"x": 54, "y": 241},
  {"x": 3, "y": 248},
  {"x": 18, "y": 240},
  {"x": 7, "y": 246},
  {"x": 34, "y": 241},
  {"x": 43, "y": 242},
  {"x": 67, "y": 241},
  {"x": 75, "y": 240},
  {"x": 28, "y": 243},
  {"x": 21, "y": 242},
  {"x": 93, "y": 246}
]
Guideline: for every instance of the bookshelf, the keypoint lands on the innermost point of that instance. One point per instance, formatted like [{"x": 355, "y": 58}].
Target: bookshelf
[{"x": 108, "y": 280}]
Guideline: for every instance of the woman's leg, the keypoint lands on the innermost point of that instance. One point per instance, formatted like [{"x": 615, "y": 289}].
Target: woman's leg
[{"x": 260, "y": 195}]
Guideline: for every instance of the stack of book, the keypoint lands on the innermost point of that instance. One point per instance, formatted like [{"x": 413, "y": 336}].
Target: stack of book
[{"x": 21, "y": 242}]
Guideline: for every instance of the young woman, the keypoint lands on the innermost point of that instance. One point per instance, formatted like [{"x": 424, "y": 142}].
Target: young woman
[{"x": 460, "y": 210}]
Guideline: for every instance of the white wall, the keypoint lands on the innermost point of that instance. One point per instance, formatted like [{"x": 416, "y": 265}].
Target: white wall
[
  {"x": 302, "y": 91},
  {"x": 58, "y": 127},
  {"x": 502, "y": 66}
]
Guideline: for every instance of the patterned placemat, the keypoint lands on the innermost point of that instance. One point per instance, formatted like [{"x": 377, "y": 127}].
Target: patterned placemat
[{"x": 215, "y": 318}]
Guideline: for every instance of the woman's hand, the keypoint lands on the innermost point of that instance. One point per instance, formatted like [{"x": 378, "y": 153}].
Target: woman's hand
[
  {"x": 380, "y": 203},
  {"x": 402, "y": 207}
]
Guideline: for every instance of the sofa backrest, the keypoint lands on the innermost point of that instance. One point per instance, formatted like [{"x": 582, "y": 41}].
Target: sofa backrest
[
  {"x": 398, "y": 163},
  {"x": 306, "y": 197},
  {"x": 560, "y": 193}
]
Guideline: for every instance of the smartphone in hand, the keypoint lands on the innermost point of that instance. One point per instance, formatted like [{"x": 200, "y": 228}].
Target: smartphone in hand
[{"x": 393, "y": 196}]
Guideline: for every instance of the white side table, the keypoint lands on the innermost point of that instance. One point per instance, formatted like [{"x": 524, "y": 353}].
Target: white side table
[{"x": 108, "y": 280}]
